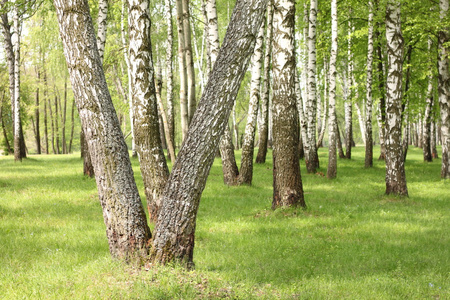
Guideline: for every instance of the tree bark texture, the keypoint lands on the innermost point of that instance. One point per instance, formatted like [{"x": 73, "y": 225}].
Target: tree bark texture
[
  {"x": 182, "y": 68},
  {"x": 169, "y": 75},
  {"x": 348, "y": 82},
  {"x": 37, "y": 117},
  {"x": 368, "y": 160},
  {"x": 395, "y": 167},
  {"x": 126, "y": 228},
  {"x": 146, "y": 124},
  {"x": 287, "y": 182},
  {"x": 264, "y": 105},
  {"x": 229, "y": 166},
  {"x": 332, "y": 121},
  {"x": 175, "y": 229},
  {"x": 248, "y": 145},
  {"x": 427, "y": 116},
  {"x": 312, "y": 159},
  {"x": 444, "y": 92},
  {"x": 101, "y": 23}
]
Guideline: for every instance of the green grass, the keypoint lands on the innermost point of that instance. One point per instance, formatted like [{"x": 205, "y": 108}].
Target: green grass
[{"x": 352, "y": 242}]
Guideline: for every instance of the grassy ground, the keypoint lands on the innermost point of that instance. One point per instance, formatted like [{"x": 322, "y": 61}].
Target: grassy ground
[{"x": 352, "y": 242}]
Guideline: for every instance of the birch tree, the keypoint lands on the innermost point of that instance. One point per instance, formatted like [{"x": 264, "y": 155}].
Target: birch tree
[
  {"x": 16, "y": 111},
  {"x": 312, "y": 160},
  {"x": 368, "y": 161},
  {"x": 332, "y": 122},
  {"x": 126, "y": 228},
  {"x": 101, "y": 23},
  {"x": 427, "y": 116},
  {"x": 395, "y": 167},
  {"x": 264, "y": 103},
  {"x": 444, "y": 91},
  {"x": 287, "y": 182},
  {"x": 348, "y": 83},
  {"x": 246, "y": 172},
  {"x": 175, "y": 230},
  {"x": 148, "y": 142},
  {"x": 169, "y": 75}
]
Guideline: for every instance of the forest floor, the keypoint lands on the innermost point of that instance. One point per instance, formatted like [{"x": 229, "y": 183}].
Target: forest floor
[{"x": 352, "y": 242}]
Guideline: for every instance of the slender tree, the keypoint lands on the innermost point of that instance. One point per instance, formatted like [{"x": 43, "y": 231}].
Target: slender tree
[
  {"x": 332, "y": 122},
  {"x": 368, "y": 162},
  {"x": 182, "y": 68},
  {"x": 427, "y": 116},
  {"x": 395, "y": 166},
  {"x": 169, "y": 75}
]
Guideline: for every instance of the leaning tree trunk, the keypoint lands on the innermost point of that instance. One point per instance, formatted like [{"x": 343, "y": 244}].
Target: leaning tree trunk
[
  {"x": 248, "y": 146},
  {"x": 312, "y": 159},
  {"x": 287, "y": 181},
  {"x": 175, "y": 229},
  {"x": 332, "y": 122},
  {"x": 264, "y": 106},
  {"x": 126, "y": 227},
  {"x": 148, "y": 142},
  {"x": 368, "y": 161},
  {"x": 444, "y": 92},
  {"x": 427, "y": 117},
  {"x": 395, "y": 165}
]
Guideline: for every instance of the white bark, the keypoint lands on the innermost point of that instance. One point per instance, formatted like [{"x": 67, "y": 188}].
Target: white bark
[
  {"x": 169, "y": 75},
  {"x": 16, "y": 119},
  {"x": 369, "y": 140},
  {"x": 182, "y": 68},
  {"x": 101, "y": 31},
  {"x": 332, "y": 157},
  {"x": 213, "y": 30}
]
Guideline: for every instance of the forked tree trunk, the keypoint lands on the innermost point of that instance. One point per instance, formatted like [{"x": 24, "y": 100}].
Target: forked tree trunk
[
  {"x": 264, "y": 105},
  {"x": 126, "y": 226},
  {"x": 287, "y": 181},
  {"x": 312, "y": 159},
  {"x": 395, "y": 166},
  {"x": 175, "y": 229},
  {"x": 332, "y": 122},
  {"x": 146, "y": 124},
  {"x": 248, "y": 145},
  {"x": 444, "y": 91},
  {"x": 368, "y": 161}
]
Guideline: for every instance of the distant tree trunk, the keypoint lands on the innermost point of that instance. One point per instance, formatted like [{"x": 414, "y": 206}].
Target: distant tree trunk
[
  {"x": 368, "y": 161},
  {"x": 248, "y": 146},
  {"x": 312, "y": 159},
  {"x": 404, "y": 111},
  {"x": 18, "y": 135},
  {"x": 182, "y": 66},
  {"x": 148, "y": 142},
  {"x": 63, "y": 119},
  {"x": 287, "y": 181},
  {"x": 332, "y": 122},
  {"x": 229, "y": 166},
  {"x": 169, "y": 76},
  {"x": 127, "y": 231},
  {"x": 444, "y": 91},
  {"x": 264, "y": 104},
  {"x": 190, "y": 72},
  {"x": 360, "y": 121},
  {"x": 102, "y": 27},
  {"x": 348, "y": 101},
  {"x": 45, "y": 116},
  {"x": 427, "y": 118},
  {"x": 5, "y": 135},
  {"x": 175, "y": 229},
  {"x": 127, "y": 60},
  {"x": 72, "y": 119},
  {"x": 58, "y": 151},
  {"x": 434, "y": 152},
  {"x": 322, "y": 121},
  {"x": 36, "y": 116},
  {"x": 381, "y": 118},
  {"x": 339, "y": 142},
  {"x": 303, "y": 146},
  {"x": 395, "y": 167}
]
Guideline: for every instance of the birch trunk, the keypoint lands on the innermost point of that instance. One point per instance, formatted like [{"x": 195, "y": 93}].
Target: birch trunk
[
  {"x": 434, "y": 153},
  {"x": 169, "y": 76},
  {"x": 37, "y": 117},
  {"x": 182, "y": 66},
  {"x": 381, "y": 118},
  {"x": 348, "y": 82},
  {"x": 191, "y": 102},
  {"x": 102, "y": 23},
  {"x": 395, "y": 167},
  {"x": 5, "y": 135},
  {"x": 17, "y": 118},
  {"x": 287, "y": 182},
  {"x": 175, "y": 230},
  {"x": 127, "y": 231},
  {"x": 444, "y": 91},
  {"x": 264, "y": 106},
  {"x": 332, "y": 122},
  {"x": 248, "y": 145},
  {"x": 72, "y": 123},
  {"x": 148, "y": 142},
  {"x": 368, "y": 161},
  {"x": 312, "y": 159},
  {"x": 427, "y": 117}
]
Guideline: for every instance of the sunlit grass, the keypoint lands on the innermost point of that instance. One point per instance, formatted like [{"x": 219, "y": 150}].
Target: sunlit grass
[{"x": 352, "y": 242}]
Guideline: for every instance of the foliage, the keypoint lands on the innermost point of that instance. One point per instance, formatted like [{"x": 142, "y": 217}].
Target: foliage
[{"x": 351, "y": 243}]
